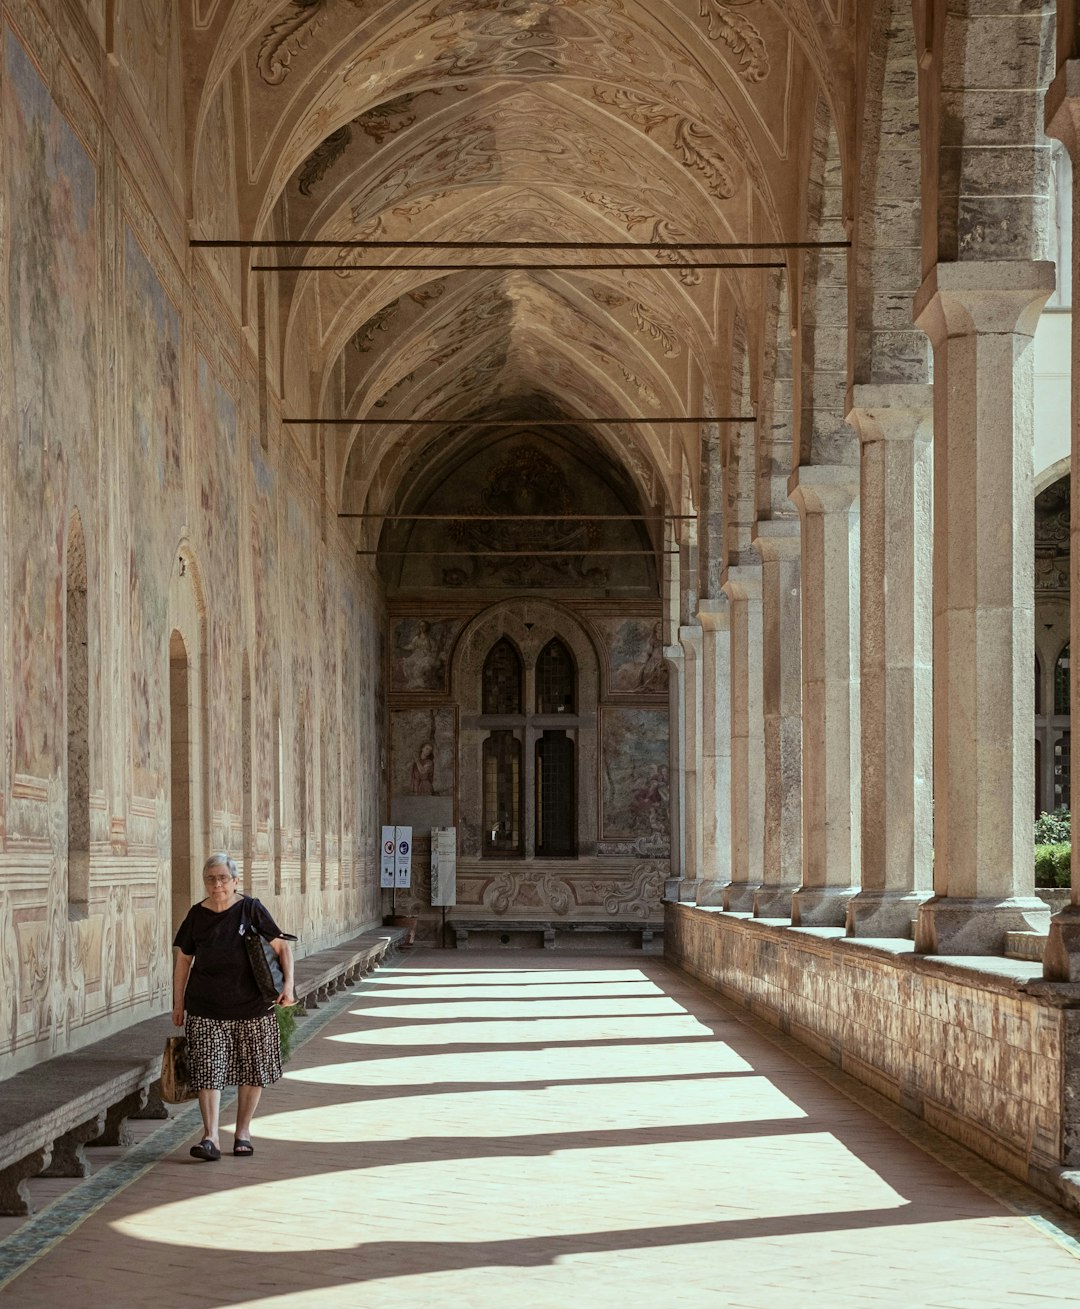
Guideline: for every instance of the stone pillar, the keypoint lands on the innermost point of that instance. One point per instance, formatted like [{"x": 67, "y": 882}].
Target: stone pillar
[
  {"x": 743, "y": 589},
  {"x": 778, "y": 543},
  {"x": 980, "y": 317},
  {"x": 676, "y": 728},
  {"x": 826, "y": 496},
  {"x": 690, "y": 640},
  {"x": 895, "y": 426},
  {"x": 714, "y": 788},
  {"x": 1061, "y": 957}
]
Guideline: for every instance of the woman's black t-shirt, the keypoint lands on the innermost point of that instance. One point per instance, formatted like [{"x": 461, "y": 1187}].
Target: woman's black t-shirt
[{"x": 221, "y": 983}]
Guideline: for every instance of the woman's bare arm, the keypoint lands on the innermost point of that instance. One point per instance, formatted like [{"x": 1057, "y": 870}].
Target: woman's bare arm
[{"x": 181, "y": 969}]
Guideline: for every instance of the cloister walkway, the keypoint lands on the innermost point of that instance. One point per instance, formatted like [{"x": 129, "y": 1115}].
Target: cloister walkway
[{"x": 531, "y": 1130}]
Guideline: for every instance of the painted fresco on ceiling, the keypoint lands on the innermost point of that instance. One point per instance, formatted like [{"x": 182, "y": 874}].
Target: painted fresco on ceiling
[
  {"x": 52, "y": 220},
  {"x": 636, "y": 787},
  {"x": 152, "y": 327}
]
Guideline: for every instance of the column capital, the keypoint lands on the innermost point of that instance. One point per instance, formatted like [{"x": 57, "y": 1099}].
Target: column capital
[
  {"x": 901, "y": 412},
  {"x": 690, "y": 639},
  {"x": 714, "y": 613},
  {"x": 778, "y": 539},
  {"x": 977, "y": 296},
  {"x": 742, "y": 582},
  {"x": 1062, "y": 107},
  {"x": 674, "y": 653},
  {"x": 824, "y": 488}
]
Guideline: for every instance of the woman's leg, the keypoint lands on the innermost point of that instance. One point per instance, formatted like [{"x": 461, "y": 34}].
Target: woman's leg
[
  {"x": 247, "y": 1101},
  {"x": 210, "y": 1108}
]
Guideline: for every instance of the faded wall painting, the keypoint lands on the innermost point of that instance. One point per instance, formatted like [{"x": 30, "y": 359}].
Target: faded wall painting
[
  {"x": 423, "y": 745},
  {"x": 215, "y": 428},
  {"x": 419, "y": 658},
  {"x": 523, "y": 513},
  {"x": 52, "y": 222},
  {"x": 152, "y": 328},
  {"x": 635, "y": 648},
  {"x": 635, "y": 787}
]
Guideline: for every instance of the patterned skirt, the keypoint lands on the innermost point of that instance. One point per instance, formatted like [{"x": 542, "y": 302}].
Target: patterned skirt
[{"x": 233, "y": 1051}]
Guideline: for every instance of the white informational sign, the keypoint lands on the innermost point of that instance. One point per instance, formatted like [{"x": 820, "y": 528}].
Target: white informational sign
[
  {"x": 403, "y": 858},
  {"x": 444, "y": 865},
  {"x": 387, "y": 858}
]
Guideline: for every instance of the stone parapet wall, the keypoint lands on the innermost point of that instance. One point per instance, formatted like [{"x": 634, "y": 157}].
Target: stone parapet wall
[{"x": 991, "y": 1058}]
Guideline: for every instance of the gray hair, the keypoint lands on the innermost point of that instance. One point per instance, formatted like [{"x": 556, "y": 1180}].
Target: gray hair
[{"x": 220, "y": 859}]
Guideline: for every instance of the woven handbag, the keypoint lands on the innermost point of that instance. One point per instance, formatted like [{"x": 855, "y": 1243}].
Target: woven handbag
[
  {"x": 176, "y": 1072},
  {"x": 264, "y": 963}
]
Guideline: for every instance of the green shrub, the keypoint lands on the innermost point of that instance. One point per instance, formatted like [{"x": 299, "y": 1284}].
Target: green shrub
[
  {"x": 1052, "y": 864},
  {"x": 286, "y": 1021},
  {"x": 1053, "y": 829}
]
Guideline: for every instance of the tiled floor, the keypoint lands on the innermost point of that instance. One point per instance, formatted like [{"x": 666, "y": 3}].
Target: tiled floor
[{"x": 525, "y": 1130}]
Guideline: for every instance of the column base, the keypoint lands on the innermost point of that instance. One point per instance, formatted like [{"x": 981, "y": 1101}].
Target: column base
[
  {"x": 821, "y": 906},
  {"x": 681, "y": 890},
  {"x": 739, "y": 897},
  {"x": 774, "y": 901},
  {"x": 885, "y": 913},
  {"x": 711, "y": 894},
  {"x": 952, "y": 925},
  {"x": 1061, "y": 955}
]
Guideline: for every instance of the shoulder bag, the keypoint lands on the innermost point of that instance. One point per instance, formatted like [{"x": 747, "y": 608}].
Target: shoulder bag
[{"x": 261, "y": 955}]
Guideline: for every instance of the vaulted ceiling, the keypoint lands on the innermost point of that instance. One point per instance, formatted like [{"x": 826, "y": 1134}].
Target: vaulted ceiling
[{"x": 592, "y": 121}]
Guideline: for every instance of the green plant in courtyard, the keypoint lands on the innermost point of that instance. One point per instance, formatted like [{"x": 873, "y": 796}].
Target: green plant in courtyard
[
  {"x": 1052, "y": 863},
  {"x": 1053, "y": 829}
]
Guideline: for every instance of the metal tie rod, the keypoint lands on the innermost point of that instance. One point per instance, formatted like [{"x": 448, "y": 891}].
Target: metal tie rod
[
  {"x": 680, "y": 266},
  {"x": 524, "y": 518},
  {"x": 207, "y": 244},
  {"x": 503, "y": 422},
  {"x": 518, "y": 554}
]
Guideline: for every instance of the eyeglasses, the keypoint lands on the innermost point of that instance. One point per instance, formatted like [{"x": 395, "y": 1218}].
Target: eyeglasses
[{"x": 211, "y": 880}]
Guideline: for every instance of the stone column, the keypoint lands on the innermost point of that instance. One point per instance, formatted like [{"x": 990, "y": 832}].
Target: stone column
[
  {"x": 690, "y": 640},
  {"x": 743, "y": 589},
  {"x": 980, "y": 317},
  {"x": 676, "y": 721},
  {"x": 895, "y": 426},
  {"x": 1061, "y": 957},
  {"x": 826, "y": 496},
  {"x": 778, "y": 543},
  {"x": 714, "y": 787}
]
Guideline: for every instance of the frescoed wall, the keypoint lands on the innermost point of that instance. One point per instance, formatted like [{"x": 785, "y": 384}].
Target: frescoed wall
[{"x": 131, "y": 414}]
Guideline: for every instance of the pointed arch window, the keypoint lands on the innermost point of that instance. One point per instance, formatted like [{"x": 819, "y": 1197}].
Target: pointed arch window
[
  {"x": 502, "y": 679},
  {"x": 556, "y": 679},
  {"x": 556, "y": 820},
  {"x": 1061, "y": 682},
  {"x": 502, "y": 795}
]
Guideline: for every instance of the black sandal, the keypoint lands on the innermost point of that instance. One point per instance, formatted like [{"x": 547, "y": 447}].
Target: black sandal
[
  {"x": 207, "y": 1150},
  {"x": 243, "y": 1148}
]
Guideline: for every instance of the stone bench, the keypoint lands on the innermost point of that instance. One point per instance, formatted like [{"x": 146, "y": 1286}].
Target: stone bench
[
  {"x": 550, "y": 928},
  {"x": 52, "y": 1112}
]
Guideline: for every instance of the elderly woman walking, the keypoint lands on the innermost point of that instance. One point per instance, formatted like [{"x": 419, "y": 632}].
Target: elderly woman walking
[{"x": 232, "y": 1033}]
